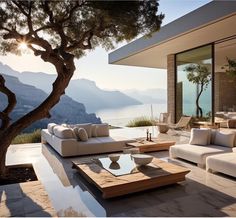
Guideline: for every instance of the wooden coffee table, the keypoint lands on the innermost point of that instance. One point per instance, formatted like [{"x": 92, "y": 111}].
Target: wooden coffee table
[
  {"x": 155, "y": 145},
  {"x": 158, "y": 173}
]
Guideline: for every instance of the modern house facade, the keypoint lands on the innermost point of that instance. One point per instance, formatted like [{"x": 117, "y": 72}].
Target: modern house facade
[{"x": 194, "y": 49}]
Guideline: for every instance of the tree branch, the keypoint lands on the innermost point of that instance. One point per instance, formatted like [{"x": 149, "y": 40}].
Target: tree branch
[
  {"x": 11, "y": 104},
  {"x": 19, "y": 6}
]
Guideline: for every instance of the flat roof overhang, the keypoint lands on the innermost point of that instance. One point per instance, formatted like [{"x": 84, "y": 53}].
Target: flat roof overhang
[{"x": 210, "y": 23}]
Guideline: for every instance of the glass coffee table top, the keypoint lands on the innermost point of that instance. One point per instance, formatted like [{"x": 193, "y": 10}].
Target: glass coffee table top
[{"x": 125, "y": 165}]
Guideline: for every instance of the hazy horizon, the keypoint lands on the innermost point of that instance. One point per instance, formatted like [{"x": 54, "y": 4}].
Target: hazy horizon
[{"x": 95, "y": 65}]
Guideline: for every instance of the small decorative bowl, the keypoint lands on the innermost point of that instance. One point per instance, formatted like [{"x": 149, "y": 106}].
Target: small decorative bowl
[
  {"x": 142, "y": 159},
  {"x": 114, "y": 157}
]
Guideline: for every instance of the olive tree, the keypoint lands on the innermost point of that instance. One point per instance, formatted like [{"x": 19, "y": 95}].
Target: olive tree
[
  {"x": 201, "y": 76},
  {"x": 58, "y": 32}
]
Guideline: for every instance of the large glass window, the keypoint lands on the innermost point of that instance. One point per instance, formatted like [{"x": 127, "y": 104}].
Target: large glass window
[
  {"x": 225, "y": 81},
  {"x": 193, "y": 83}
]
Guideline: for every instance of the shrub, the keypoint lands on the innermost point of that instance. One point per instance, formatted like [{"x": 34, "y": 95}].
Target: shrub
[
  {"x": 23, "y": 138},
  {"x": 140, "y": 121}
]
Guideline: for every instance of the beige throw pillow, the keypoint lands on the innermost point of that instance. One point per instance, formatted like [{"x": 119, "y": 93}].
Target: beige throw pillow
[
  {"x": 81, "y": 134},
  {"x": 63, "y": 132},
  {"x": 199, "y": 137},
  {"x": 87, "y": 127},
  {"x": 50, "y": 127},
  {"x": 102, "y": 130},
  {"x": 225, "y": 139}
]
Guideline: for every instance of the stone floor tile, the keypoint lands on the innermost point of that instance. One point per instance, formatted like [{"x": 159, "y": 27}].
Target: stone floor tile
[
  {"x": 36, "y": 202},
  {"x": 13, "y": 207},
  {"x": 12, "y": 191},
  {"x": 28, "y": 187},
  {"x": 42, "y": 213}
]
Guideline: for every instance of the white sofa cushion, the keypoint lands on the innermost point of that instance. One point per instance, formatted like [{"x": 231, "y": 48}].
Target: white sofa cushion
[
  {"x": 72, "y": 147},
  {"x": 50, "y": 127},
  {"x": 200, "y": 136},
  {"x": 213, "y": 135},
  {"x": 224, "y": 139},
  {"x": 196, "y": 153},
  {"x": 224, "y": 163},
  {"x": 94, "y": 132},
  {"x": 81, "y": 134},
  {"x": 102, "y": 130},
  {"x": 63, "y": 132},
  {"x": 87, "y": 127}
]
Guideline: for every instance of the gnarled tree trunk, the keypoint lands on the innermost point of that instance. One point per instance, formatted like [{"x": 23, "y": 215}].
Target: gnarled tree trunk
[
  {"x": 65, "y": 72},
  {"x": 199, "y": 109}
]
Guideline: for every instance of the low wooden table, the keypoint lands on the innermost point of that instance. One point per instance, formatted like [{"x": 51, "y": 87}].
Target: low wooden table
[
  {"x": 154, "y": 145},
  {"x": 147, "y": 177}
]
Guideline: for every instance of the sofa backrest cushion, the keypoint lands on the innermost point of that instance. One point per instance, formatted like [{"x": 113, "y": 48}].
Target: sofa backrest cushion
[
  {"x": 200, "y": 136},
  {"x": 50, "y": 127},
  {"x": 224, "y": 139},
  {"x": 63, "y": 132},
  {"x": 209, "y": 139},
  {"x": 94, "y": 130},
  {"x": 81, "y": 134},
  {"x": 213, "y": 135},
  {"x": 102, "y": 130},
  {"x": 87, "y": 127}
]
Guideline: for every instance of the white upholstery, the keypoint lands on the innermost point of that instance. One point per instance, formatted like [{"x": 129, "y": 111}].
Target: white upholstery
[
  {"x": 51, "y": 126},
  {"x": 224, "y": 163},
  {"x": 94, "y": 132},
  {"x": 196, "y": 153},
  {"x": 87, "y": 127},
  {"x": 102, "y": 130},
  {"x": 63, "y": 132},
  {"x": 81, "y": 134},
  {"x": 224, "y": 139},
  {"x": 234, "y": 149},
  {"x": 72, "y": 147},
  {"x": 200, "y": 136}
]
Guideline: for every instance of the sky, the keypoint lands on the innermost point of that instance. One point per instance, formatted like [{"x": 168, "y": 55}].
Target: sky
[{"x": 94, "y": 66}]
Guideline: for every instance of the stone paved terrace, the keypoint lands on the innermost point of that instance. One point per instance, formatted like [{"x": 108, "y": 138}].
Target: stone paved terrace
[{"x": 202, "y": 194}]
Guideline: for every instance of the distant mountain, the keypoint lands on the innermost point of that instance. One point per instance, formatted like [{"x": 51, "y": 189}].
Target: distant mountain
[
  {"x": 81, "y": 90},
  {"x": 94, "y": 98},
  {"x": 149, "y": 96},
  {"x": 29, "y": 97}
]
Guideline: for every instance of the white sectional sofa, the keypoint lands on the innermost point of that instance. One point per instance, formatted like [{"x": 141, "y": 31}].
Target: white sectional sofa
[
  {"x": 67, "y": 145},
  {"x": 203, "y": 146},
  {"x": 196, "y": 153},
  {"x": 223, "y": 163}
]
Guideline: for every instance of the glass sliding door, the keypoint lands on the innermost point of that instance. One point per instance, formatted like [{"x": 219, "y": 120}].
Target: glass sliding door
[
  {"x": 193, "y": 83},
  {"x": 225, "y": 81}
]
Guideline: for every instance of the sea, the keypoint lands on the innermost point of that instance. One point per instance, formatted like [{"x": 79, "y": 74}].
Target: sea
[{"x": 121, "y": 116}]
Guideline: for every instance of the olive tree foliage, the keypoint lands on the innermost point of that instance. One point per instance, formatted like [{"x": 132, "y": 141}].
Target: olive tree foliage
[
  {"x": 201, "y": 76},
  {"x": 58, "y": 32}
]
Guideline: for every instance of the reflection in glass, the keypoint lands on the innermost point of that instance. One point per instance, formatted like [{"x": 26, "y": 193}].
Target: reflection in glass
[
  {"x": 193, "y": 83},
  {"x": 125, "y": 165},
  {"x": 114, "y": 166},
  {"x": 225, "y": 81}
]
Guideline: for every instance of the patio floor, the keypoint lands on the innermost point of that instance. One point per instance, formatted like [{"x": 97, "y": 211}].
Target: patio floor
[{"x": 202, "y": 194}]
